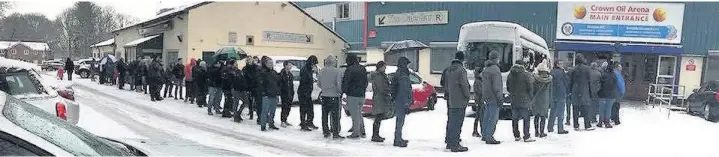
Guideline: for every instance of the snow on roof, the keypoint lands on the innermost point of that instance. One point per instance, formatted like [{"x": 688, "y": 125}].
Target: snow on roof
[
  {"x": 138, "y": 41},
  {"x": 37, "y": 46},
  {"x": 11, "y": 63},
  {"x": 197, "y": 4},
  {"x": 167, "y": 13},
  {"x": 105, "y": 43}
]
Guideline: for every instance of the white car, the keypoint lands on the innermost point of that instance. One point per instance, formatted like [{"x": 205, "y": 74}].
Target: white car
[
  {"x": 21, "y": 80},
  {"x": 25, "y": 130},
  {"x": 82, "y": 67},
  {"x": 297, "y": 63}
]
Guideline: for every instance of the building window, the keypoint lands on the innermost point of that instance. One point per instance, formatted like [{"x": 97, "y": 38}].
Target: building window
[
  {"x": 232, "y": 37},
  {"x": 250, "y": 40},
  {"x": 343, "y": 10},
  {"x": 442, "y": 54},
  {"x": 26, "y": 52},
  {"x": 13, "y": 51}
]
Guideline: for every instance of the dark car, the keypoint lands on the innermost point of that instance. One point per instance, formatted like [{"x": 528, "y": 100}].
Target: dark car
[{"x": 703, "y": 101}]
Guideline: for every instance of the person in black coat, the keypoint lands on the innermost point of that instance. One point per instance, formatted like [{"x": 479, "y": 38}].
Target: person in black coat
[
  {"x": 136, "y": 74},
  {"x": 239, "y": 92},
  {"x": 304, "y": 94},
  {"x": 269, "y": 94},
  {"x": 287, "y": 92},
  {"x": 579, "y": 87},
  {"x": 178, "y": 74},
  {"x": 354, "y": 85},
  {"x": 167, "y": 80},
  {"x": 69, "y": 67},
  {"x": 227, "y": 77},
  {"x": 250, "y": 79},
  {"x": 199, "y": 74},
  {"x": 608, "y": 93},
  {"x": 155, "y": 79},
  {"x": 215, "y": 79},
  {"x": 121, "y": 71}
]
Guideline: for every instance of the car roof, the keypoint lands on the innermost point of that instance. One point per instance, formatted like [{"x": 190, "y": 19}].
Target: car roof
[{"x": 16, "y": 64}]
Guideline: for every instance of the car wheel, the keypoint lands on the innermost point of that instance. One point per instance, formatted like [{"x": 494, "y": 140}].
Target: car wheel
[
  {"x": 84, "y": 74},
  {"x": 432, "y": 101},
  {"x": 707, "y": 112}
]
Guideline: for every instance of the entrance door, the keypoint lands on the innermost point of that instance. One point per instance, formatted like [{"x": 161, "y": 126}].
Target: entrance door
[
  {"x": 639, "y": 71},
  {"x": 666, "y": 69}
]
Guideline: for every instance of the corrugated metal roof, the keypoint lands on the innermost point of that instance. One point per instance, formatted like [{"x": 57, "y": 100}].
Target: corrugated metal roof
[{"x": 139, "y": 41}]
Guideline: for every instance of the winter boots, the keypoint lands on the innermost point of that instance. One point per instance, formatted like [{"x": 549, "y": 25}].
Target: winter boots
[{"x": 285, "y": 124}]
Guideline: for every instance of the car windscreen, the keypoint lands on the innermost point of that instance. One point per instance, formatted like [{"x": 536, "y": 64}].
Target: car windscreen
[
  {"x": 60, "y": 133},
  {"x": 19, "y": 83}
]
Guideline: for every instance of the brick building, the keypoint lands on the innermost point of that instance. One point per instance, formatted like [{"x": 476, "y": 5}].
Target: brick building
[{"x": 34, "y": 52}]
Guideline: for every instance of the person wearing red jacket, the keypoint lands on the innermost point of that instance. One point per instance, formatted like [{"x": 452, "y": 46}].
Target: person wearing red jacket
[{"x": 190, "y": 91}]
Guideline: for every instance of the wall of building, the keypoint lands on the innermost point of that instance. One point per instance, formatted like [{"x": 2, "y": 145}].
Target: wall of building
[
  {"x": 32, "y": 56},
  {"x": 209, "y": 27},
  {"x": 351, "y": 28},
  {"x": 125, "y": 36},
  {"x": 100, "y": 52},
  {"x": 170, "y": 41}
]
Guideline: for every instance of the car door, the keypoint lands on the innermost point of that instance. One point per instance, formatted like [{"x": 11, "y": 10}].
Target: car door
[{"x": 704, "y": 94}]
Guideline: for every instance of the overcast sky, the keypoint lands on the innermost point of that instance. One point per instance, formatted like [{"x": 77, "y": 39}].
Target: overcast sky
[{"x": 142, "y": 9}]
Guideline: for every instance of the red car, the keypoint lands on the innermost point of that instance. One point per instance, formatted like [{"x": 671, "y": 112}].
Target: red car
[{"x": 424, "y": 94}]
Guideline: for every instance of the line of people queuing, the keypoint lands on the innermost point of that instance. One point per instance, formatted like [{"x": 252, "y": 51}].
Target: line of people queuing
[
  {"x": 592, "y": 93},
  {"x": 544, "y": 94}
]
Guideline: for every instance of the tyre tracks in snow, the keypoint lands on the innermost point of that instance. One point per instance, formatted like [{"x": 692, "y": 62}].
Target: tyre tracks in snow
[{"x": 290, "y": 146}]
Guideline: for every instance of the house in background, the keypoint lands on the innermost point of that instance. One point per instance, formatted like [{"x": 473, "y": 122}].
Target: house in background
[{"x": 34, "y": 52}]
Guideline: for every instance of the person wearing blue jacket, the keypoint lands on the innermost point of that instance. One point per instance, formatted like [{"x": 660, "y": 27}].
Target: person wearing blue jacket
[
  {"x": 621, "y": 86},
  {"x": 560, "y": 91}
]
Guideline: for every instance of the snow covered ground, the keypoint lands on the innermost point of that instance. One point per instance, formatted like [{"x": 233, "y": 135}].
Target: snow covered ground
[{"x": 644, "y": 132}]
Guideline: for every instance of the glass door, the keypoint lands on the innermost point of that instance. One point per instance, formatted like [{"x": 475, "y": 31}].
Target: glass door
[
  {"x": 567, "y": 57},
  {"x": 666, "y": 69}
]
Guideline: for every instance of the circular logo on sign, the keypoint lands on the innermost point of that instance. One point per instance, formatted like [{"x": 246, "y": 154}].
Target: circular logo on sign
[
  {"x": 567, "y": 29},
  {"x": 580, "y": 12},
  {"x": 660, "y": 14}
]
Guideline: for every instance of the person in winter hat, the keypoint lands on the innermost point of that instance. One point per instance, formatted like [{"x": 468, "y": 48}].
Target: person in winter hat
[
  {"x": 271, "y": 92},
  {"x": 608, "y": 93},
  {"x": 287, "y": 92},
  {"x": 595, "y": 74},
  {"x": 354, "y": 85},
  {"x": 542, "y": 98},
  {"x": 559, "y": 92},
  {"x": 402, "y": 98},
  {"x": 458, "y": 87},
  {"x": 521, "y": 90},
  {"x": 330, "y": 82},
  {"x": 190, "y": 85},
  {"x": 580, "y": 92},
  {"x": 304, "y": 93},
  {"x": 621, "y": 87},
  {"x": 492, "y": 95},
  {"x": 381, "y": 100}
]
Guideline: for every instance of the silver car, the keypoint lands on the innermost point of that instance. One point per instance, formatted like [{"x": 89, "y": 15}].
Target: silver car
[
  {"x": 26, "y": 130},
  {"x": 27, "y": 85}
]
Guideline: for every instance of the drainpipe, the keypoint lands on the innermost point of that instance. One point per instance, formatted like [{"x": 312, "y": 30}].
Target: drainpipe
[{"x": 364, "y": 34}]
